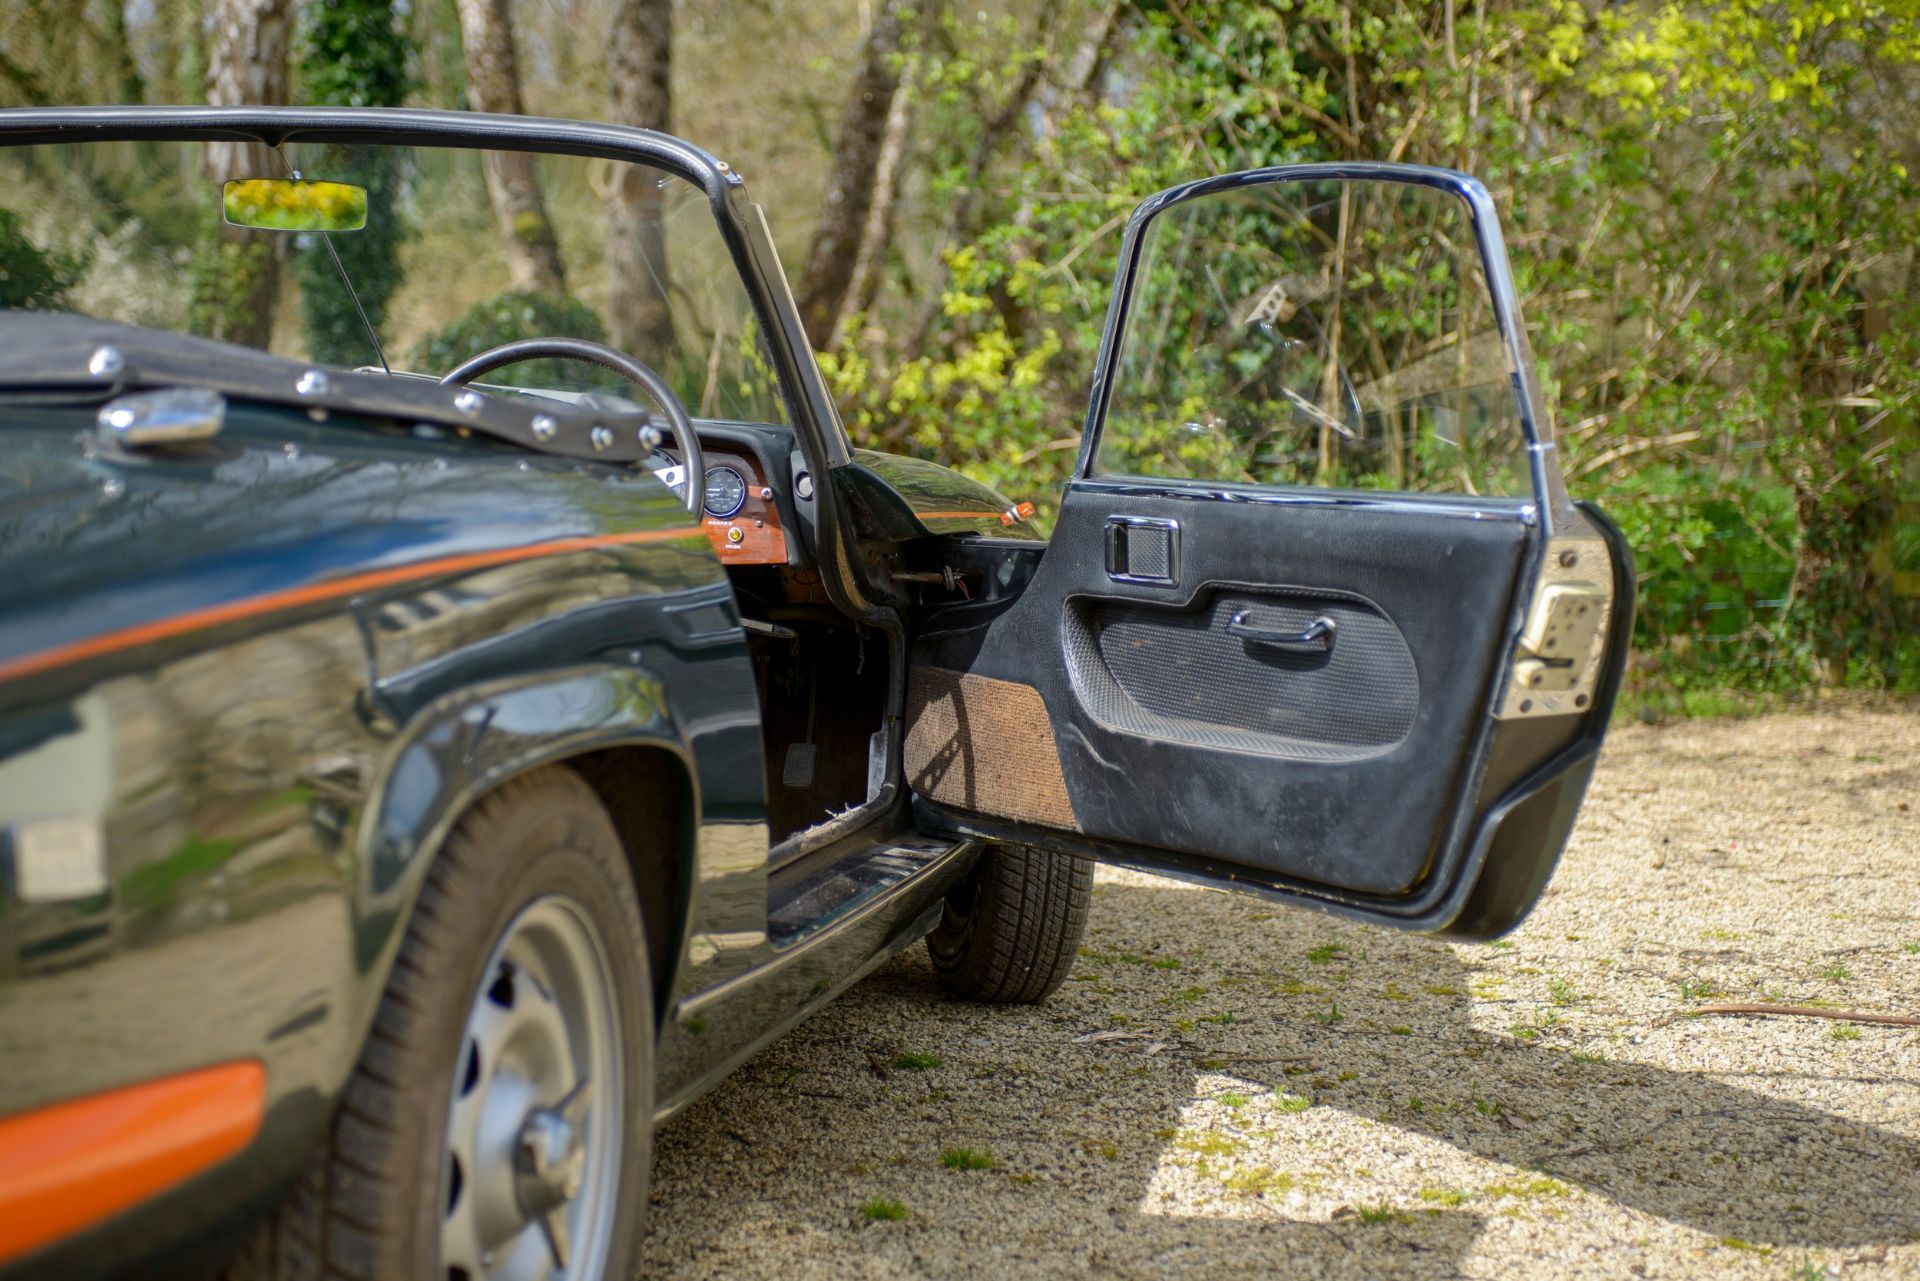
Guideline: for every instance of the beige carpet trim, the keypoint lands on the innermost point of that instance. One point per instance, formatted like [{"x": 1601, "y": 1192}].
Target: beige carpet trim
[{"x": 985, "y": 746}]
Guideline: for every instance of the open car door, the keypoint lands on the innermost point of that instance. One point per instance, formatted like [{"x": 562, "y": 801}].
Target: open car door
[{"x": 1317, "y": 618}]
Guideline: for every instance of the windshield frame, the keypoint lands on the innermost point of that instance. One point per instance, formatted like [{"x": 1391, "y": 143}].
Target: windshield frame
[{"x": 741, "y": 223}]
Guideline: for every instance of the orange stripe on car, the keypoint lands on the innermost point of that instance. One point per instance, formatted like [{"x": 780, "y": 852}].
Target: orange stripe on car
[
  {"x": 71, "y": 1165},
  {"x": 329, "y": 589}
]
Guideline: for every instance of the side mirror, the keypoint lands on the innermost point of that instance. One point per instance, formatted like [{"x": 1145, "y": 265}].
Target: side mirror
[{"x": 294, "y": 204}]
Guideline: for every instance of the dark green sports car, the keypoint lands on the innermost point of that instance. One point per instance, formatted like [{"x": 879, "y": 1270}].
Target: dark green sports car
[{"x": 462, "y": 692}]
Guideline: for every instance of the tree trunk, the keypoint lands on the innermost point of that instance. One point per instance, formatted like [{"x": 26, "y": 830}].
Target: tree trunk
[
  {"x": 639, "y": 81},
  {"x": 117, "y": 70},
  {"x": 856, "y": 168},
  {"x": 246, "y": 66},
  {"x": 876, "y": 233},
  {"x": 493, "y": 84},
  {"x": 1074, "y": 77}
]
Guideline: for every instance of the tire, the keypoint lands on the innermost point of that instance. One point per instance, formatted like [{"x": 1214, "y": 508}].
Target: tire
[
  {"x": 1010, "y": 932},
  {"x": 526, "y": 947}
]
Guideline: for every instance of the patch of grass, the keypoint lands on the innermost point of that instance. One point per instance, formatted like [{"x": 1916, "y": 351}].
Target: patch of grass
[
  {"x": 1402, "y": 1030},
  {"x": 1098, "y": 958},
  {"x": 1220, "y": 1018},
  {"x": 1416, "y": 1104},
  {"x": 1330, "y": 1016},
  {"x": 1291, "y": 1103},
  {"x": 1911, "y": 949},
  {"x": 1443, "y": 1196},
  {"x": 1725, "y": 936},
  {"x": 1589, "y": 1056},
  {"x": 193, "y": 858},
  {"x": 1736, "y": 1243},
  {"x": 1190, "y": 994},
  {"x": 1232, "y": 1100},
  {"x": 968, "y": 1159},
  {"x": 1293, "y": 987},
  {"x": 1696, "y": 989},
  {"x": 1441, "y": 989},
  {"x": 1810, "y": 1271},
  {"x": 916, "y": 1061},
  {"x": 1260, "y": 1181},
  {"x": 1836, "y": 972},
  {"x": 1846, "y": 1032},
  {"x": 1201, "y": 1143},
  {"x": 1326, "y": 952},
  {"x": 1183, "y": 1025},
  {"x": 1102, "y": 1148},
  {"x": 1505, "y": 945},
  {"x": 1561, "y": 992},
  {"x": 1378, "y": 1214},
  {"x": 1392, "y": 992},
  {"x": 880, "y": 1209},
  {"x": 1166, "y": 962},
  {"x": 1486, "y": 1107},
  {"x": 1526, "y": 1189}
]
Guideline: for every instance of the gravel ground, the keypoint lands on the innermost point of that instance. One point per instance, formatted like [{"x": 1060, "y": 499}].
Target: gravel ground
[{"x": 1227, "y": 1090}]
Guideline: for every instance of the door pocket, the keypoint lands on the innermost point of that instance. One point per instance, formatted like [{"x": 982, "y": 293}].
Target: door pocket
[{"x": 1210, "y": 673}]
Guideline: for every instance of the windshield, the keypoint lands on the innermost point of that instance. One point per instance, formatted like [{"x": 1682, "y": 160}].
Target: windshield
[
  {"x": 1319, "y": 332},
  {"x": 449, "y": 252}
]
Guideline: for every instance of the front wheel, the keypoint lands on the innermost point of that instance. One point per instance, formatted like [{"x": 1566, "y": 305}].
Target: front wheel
[
  {"x": 499, "y": 1122},
  {"x": 1010, "y": 932}
]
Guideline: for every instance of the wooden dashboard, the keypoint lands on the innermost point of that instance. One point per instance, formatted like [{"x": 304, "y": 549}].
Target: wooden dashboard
[{"x": 751, "y": 535}]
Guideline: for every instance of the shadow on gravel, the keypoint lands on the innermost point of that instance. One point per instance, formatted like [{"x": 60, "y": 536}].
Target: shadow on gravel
[{"x": 788, "y": 1148}]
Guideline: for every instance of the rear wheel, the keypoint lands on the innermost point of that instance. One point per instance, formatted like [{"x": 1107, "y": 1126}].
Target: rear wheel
[
  {"x": 498, "y": 1124},
  {"x": 1011, "y": 930}
]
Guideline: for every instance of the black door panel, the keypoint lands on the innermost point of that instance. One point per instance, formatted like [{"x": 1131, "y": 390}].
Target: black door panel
[
  {"x": 1285, "y": 672},
  {"x": 1334, "y": 766}
]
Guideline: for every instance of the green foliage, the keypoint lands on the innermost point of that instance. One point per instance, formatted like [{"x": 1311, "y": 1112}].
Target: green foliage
[
  {"x": 32, "y": 278},
  {"x": 353, "y": 54},
  {"x": 509, "y": 318},
  {"x": 1710, "y": 212}
]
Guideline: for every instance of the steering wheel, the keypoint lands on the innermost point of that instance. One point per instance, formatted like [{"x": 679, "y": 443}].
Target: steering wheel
[{"x": 619, "y": 362}]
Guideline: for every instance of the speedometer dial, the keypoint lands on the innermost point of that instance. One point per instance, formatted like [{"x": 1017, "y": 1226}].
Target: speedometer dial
[{"x": 726, "y": 492}]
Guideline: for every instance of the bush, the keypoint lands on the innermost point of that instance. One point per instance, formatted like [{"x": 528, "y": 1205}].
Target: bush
[
  {"x": 32, "y": 278},
  {"x": 509, "y": 318}
]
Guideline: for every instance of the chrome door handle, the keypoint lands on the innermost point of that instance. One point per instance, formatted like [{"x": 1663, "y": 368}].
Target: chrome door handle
[{"x": 1315, "y": 635}]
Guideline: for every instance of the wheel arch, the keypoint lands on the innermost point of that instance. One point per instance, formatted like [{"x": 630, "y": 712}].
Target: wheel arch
[
  {"x": 598, "y": 721},
  {"x": 650, "y": 795}
]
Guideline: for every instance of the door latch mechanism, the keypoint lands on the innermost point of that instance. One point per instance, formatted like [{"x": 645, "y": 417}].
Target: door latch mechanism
[{"x": 1557, "y": 661}]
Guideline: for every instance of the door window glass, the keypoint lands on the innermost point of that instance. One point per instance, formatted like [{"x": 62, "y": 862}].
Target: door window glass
[{"x": 1331, "y": 332}]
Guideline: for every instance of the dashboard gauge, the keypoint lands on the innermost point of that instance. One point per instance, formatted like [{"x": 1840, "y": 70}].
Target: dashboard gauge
[{"x": 726, "y": 492}]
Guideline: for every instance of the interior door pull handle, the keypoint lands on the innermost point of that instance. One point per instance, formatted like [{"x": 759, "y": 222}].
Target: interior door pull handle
[{"x": 1315, "y": 635}]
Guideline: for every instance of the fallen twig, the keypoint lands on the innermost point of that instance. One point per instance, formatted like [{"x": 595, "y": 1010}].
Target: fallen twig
[{"x": 1808, "y": 1012}]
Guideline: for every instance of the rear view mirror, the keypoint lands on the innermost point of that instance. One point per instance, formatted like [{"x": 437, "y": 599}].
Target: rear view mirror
[{"x": 294, "y": 204}]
